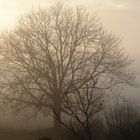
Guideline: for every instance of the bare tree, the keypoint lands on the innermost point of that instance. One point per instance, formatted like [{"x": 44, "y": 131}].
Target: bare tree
[
  {"x": 50, "y": 53},
  {"x": 81, "y": 110},
  {"x": 123, "y": 120}
]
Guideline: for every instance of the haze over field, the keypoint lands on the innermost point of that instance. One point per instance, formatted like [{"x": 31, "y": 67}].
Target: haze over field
[{"x": 118, "y": 16}]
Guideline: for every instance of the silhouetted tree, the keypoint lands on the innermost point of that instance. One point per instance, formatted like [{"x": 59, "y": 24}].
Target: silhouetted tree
[
  {"x": 123, "y": 121},
  {"x": 81, "y": 110},
  {"x": 51, "y": 52}
]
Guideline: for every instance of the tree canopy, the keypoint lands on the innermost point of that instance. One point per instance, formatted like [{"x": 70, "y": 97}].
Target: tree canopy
[{"x": 52, "y": 52}]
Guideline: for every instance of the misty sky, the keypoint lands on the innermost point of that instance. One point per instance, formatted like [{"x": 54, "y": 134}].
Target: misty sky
[{"x": 118, "y": 16}]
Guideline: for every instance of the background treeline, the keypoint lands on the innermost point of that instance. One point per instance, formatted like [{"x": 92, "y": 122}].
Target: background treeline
[{"x": 119, "y": 121}]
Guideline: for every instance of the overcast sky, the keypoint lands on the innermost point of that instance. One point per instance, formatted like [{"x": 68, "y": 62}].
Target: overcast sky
[{"x": 118, "y": 16}]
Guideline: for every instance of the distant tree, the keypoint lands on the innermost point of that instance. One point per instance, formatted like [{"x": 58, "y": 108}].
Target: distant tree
[
  {"x": 123, "y": 120},
  {"x": 51, "y": 53}
]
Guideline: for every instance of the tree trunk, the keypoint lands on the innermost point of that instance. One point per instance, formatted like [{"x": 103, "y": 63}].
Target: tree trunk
[
  {"x": 57, "y": 116},
  {"x": 57, "y": 119},
  {"x": 57, "y": 113}
]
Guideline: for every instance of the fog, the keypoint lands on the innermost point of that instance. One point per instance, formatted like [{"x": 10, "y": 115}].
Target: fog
[{"x": 121, "y": 17}]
